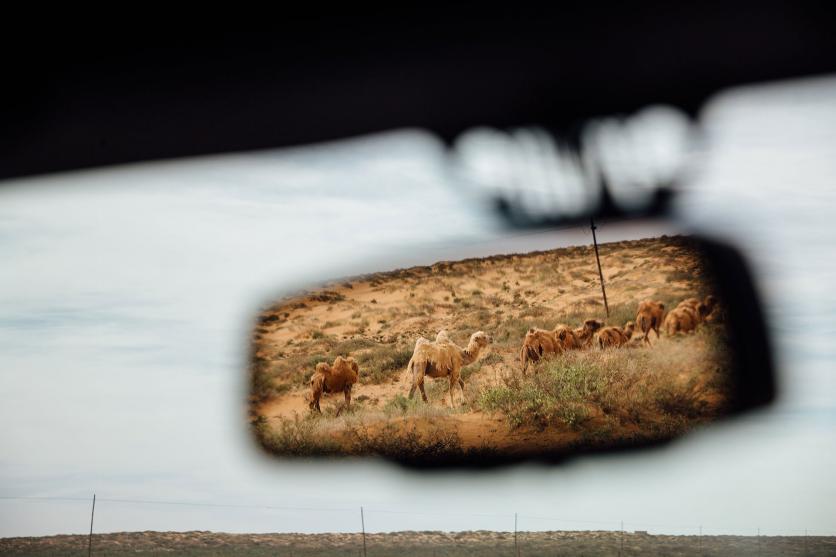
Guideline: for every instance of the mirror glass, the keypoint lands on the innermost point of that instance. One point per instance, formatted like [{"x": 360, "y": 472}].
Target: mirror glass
[{"x": 499, "y": 357}]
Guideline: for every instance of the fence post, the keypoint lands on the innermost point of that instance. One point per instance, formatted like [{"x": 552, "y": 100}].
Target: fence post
[
  {"x": 363, "y": 525},
  {"x": 90, "y": 538},
  {"x": 516, "y": 546},
  {"x": 621, "y": 549},
  {"x": 598, "y": 260}
]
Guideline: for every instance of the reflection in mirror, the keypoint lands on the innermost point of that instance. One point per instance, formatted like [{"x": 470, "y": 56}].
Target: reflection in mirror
[{"x": 499, "y": 358}]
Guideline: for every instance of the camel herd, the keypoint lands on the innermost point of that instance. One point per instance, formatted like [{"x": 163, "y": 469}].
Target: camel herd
[{"x": 442, "y": 357}]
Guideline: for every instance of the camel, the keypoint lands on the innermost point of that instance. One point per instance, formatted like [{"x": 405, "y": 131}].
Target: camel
[
  {"x": 681, "y": 320},
  {"x": 649, "y": 318},
  {"x": 716, "y": 314},
  {"x": 711, "y": 302},
  {"x": 339, "y": 377},
  {"x": 537, "y": 344},
  {"x": 576, "y": 339},
  {"x": 702, "y": 309},
  {"x": 707, "y": 308},
  {"x": 565, "y": 335},
  {"x": 443, "y": 358},
  {"x": 615, "y": 337},
  {"x": 585, "y": 333}
]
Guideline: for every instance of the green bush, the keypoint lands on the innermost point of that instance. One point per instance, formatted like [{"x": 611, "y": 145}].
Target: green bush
[
  {"x": 382, "y": 363},
  {"x": 297, "y": 437}
]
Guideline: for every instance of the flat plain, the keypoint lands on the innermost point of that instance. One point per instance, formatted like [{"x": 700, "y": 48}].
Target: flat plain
[{"x": 422, "y": 544}]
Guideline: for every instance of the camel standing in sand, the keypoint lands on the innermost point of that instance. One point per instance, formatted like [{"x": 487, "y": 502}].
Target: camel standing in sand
[
  {"x": 339, "y": 377},
  {"x": 537, "y": 344},
  {"x": 443, "y": 358},
  {"x": 649, "y": 318}
]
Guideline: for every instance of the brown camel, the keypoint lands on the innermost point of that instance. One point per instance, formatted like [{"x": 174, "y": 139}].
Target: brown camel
[
  {"x": 538, "y": 343},
  {"x": 443, "y": 358},
  {"x": 681, "y": 320},
  {"x": 585, "y": 334},
  {"x": 615, "y": 337},
  {"x": 339, "y": 377},
  {"x": 649, "y": 318},
  {"x": 565, "y": 335}
]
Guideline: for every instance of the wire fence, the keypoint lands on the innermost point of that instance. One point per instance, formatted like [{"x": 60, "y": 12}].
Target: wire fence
[{"x": 526, "y": 534}]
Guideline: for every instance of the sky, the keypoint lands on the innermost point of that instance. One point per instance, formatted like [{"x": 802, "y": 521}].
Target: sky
[{"x": 127, "y": 296}]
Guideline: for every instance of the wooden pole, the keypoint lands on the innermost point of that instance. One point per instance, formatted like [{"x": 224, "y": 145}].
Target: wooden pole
[
  {"x": 598, "y": 260},
  {"x": 516, "y": 547},
  {"x": 621, "y": 549},
  {"x": 90, "y": 539},
  {"x": 363, "y": 525}
]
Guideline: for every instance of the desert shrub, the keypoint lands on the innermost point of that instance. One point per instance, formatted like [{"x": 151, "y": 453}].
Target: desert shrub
[
  {"x": 681, "y": 275},
  {"x": 347, "y": 347},
  {"x": 262, "y": 385},
  {"x": 360, "y": 327},
  {"x": 665, "y": 390},
  {"x": 383, "y": 363},
  {"x": 523, "y": 401},
  {"x": 327, "y": 296},
  {"x": 536, "y": 311},
  {"x": 468, "y": 371},
  {"x": 296, "y": 437},
  {"x": 679, "y": 400},
  {"x": 404, "y": 441},
  {"x": 509, "y": 333},
  {"x": 622, "y": 313},
  {"x": 577, "y": 274},
  {"x": 399, "y": 405}
]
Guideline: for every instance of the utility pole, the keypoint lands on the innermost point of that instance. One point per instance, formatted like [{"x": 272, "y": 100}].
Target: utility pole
[
  {"x": 90, "y": 539},
  {"x": 621, "y": 550},
  {"x": 363, "y": 525},
  {"x": 516, "y": 547},
  {"x": 700, "y": 539},
  {"x": 598, "y": 260}
]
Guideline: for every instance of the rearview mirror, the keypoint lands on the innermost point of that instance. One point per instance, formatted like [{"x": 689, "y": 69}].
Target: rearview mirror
[{"x": 514, "y": 352}]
